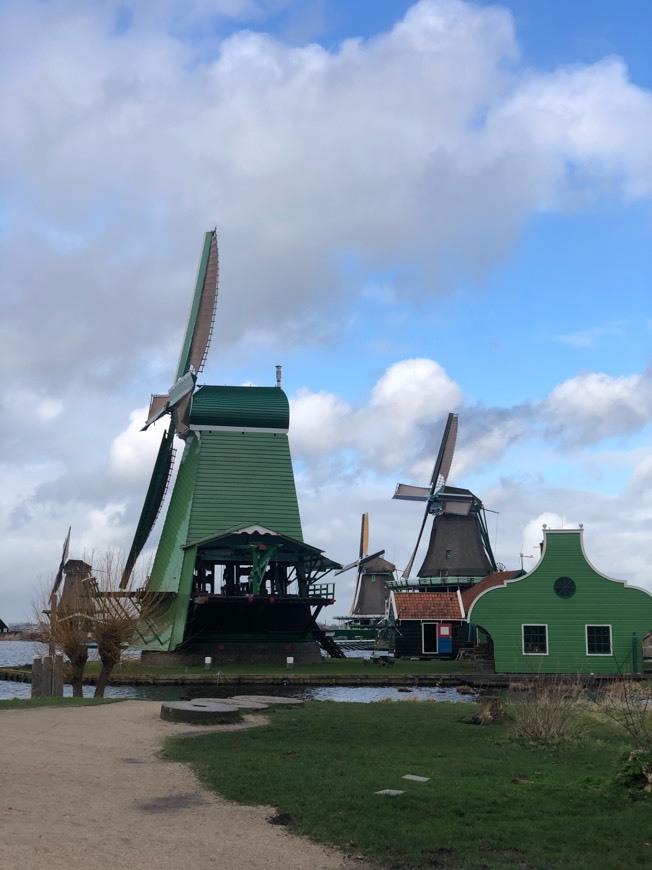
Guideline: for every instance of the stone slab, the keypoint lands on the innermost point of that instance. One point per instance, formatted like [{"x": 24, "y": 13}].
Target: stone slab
[
  {"x": 246, "y": 703},
  {"x": 390, "y": 791},
  {"x": 270, "y": 700},
  {"x": 415, "y": 778},
  {"x": 208, "y": 712}
]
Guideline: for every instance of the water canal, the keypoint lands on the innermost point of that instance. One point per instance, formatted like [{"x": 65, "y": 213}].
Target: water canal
[{"x": 14, "y": 653}]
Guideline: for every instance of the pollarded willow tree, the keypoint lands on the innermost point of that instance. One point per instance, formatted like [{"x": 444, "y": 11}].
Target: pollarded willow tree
[
  {"x": 121, "y": 616},
  {"x": 94, "y": 609}
]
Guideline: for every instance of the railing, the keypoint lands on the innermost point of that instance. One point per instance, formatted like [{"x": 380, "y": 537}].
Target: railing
[{"x": 321, "y": 590}]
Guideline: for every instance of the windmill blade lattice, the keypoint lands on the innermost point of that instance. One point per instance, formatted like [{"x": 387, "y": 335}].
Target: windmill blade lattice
[
  {"x": 202, "y": 312},
  {"x": 196, "y": 342},
  {"x": 64, "y": 557},
  {"x": 438, "y": 479},
  {"x": 156, "y": 490}
]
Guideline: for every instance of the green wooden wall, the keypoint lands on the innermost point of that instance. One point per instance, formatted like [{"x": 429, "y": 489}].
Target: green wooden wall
[
  {"x": 225, "y": 479},
  {"x": 597, "y": 600}
]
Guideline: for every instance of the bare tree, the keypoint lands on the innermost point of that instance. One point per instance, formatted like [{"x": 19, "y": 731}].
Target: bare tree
[{"x": 121, "y": 616}]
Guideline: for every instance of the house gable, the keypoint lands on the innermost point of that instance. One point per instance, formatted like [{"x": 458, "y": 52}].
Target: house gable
[{"x": 548, "y": 620}]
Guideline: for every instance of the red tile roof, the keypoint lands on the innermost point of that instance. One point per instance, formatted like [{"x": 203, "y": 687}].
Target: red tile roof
[
  {"x": 427, "y": 605},
  {"x": 498, "y": 578}
]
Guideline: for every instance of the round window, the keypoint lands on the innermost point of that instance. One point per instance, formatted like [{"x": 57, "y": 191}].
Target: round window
[{"x": 565, "y": 587}]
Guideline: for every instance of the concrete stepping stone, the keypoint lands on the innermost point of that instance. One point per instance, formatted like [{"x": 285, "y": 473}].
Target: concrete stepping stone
[
  {"x": 243, "y": 702},
  {"x": 206, "y": 712},
  {"x": 270, "y": 700},
  {"x": 415, "y": 778},
  {"x": 246, "y": 703},
  {"x": 390, "y": 791}
]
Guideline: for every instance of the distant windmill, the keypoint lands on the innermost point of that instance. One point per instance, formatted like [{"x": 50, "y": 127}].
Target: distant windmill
[
  {"x": 374, "y": 572},
  {"x": 459, "y": 543}
]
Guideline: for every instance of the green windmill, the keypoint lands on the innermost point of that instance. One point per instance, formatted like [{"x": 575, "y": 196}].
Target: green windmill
[{"x": 231, "y": 567}]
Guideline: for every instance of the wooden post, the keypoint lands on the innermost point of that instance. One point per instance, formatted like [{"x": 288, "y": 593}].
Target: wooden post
[
  {"x": 37, "y": 678},
  {"x": 52, "y": 650},
  {"x": 57, "y": 676}
]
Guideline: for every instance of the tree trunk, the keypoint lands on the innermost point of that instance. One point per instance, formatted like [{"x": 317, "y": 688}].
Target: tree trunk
[
  {"x": 103, "y": 678},
  {"x": 77, "y": 665}
]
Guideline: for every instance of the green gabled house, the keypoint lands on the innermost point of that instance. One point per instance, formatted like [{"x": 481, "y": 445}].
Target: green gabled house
[
  {"x": 564, "y": 616},
  {"x": 235, "y": 579}
]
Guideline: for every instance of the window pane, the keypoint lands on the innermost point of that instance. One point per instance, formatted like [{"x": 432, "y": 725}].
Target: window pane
[
  {"x": 598, "y": 640},
  {"x": 535, "y": 639}
]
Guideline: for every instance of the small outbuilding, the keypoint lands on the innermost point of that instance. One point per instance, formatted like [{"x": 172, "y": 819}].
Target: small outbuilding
[
  {"x": 564, "y": 616},
  {"x": 428, "y": 624},
  {"x": 3, "y": 627}
]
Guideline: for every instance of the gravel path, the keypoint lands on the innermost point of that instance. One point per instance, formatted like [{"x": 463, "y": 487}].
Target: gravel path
[{"x": 84, "y": 788}]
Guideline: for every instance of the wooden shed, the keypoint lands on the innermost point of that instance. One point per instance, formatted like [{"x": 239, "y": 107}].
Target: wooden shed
[
  {"x": 428, "y": 624},
  {"x": 564, "y": 616}
]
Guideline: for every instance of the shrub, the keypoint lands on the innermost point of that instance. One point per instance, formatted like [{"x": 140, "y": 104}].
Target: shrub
[
  {"x": 635, "y": 772},
  {"x": 548, "y": 712}
]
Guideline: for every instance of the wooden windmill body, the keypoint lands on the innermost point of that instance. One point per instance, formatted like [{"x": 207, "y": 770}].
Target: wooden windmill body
[{"x": 240, "y": 582}]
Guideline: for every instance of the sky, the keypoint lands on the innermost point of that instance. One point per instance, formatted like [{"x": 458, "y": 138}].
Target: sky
[{"x": 421, "y": 208}]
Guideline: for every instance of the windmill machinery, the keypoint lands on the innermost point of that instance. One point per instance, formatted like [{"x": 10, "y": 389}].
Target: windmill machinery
[
  {"x": 231, "y": 566},
  {"x": 459, "y": 549},
  {"x": 371, "y": 592}
]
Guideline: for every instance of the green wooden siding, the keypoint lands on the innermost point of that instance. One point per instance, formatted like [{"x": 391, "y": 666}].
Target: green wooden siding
[
  {"x": 244, "y": 477},
  {"x": 241, "y": 408},
  {"x": 225, "y": 478},
  {"x": 598, "y": 600}
]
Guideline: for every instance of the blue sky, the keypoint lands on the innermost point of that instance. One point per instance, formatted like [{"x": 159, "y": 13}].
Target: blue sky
[{"x": 422, "y": 207}]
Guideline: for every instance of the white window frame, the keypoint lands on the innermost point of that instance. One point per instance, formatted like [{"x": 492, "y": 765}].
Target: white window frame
[
  {"x": 525, "y": 625},
  {"x": 589, "y": 625},
  {"x": 423, "y": 650}
]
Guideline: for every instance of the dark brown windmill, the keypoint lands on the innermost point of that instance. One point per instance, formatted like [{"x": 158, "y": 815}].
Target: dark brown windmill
[{"x": 459, "y": 551}]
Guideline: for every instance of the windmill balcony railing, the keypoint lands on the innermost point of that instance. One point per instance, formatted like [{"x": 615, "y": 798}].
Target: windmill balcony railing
[
  {"x": 321, "y": 590},
  {"x": 204, "y": 592}
]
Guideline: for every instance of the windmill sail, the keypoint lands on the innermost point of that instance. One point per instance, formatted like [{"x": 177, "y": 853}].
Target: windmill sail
[
  {"x": 158, "y": 485},
  {"x": 438, "y": 479},
  {"x": 196, "y": 342},
  {"x": 64, "y": 556},
  {"x": 202, "y": 312},
  {"x": 364, "y": 548}
]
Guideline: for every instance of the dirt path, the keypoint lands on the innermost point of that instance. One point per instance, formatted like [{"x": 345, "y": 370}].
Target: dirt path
[{"x": 84, "y": 788}]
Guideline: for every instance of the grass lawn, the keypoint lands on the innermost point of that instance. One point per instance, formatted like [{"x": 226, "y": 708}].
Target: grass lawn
[
  {"x": 490, "y": 801},
  {"x": 326, "y": 668}
]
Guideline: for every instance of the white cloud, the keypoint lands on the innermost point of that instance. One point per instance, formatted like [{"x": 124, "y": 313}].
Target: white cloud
[
  {"x": 32, "y": 406},
  {"x": 387, "y": 432},
  {"x": 425, "y": 143},
  {"x": 133, "y": 451},
  {"x": 641, "y": 478},
  {"x": 318, "y": 423},
  {"x": 593, "y": 406}
]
